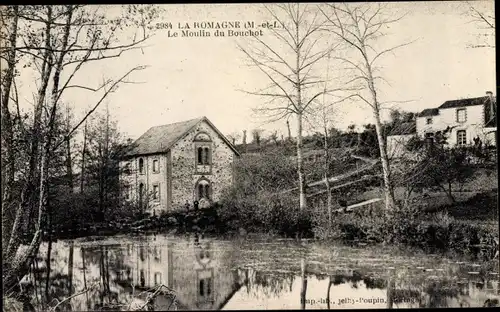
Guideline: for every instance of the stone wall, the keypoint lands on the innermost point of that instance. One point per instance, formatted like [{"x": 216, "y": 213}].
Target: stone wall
[
  {"x": 178, "y": 176},
  {"x": 149, "y": 178},
  {"x": 184, "y": 176}
]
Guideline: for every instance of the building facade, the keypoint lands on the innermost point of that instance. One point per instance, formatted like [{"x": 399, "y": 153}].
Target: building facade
[
  {"x": 173, "y": 165},
  {"x": 463, "y": 122}
]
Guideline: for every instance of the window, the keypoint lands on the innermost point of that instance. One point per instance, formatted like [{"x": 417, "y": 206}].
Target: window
[
  {"x": 156, "y": 166},
  {"x": 156, "y": 192},
  {"x": 141, "y": 165},
  {"x": 203, "y": 155},
  {"x": 203, "y": 190},
  {"x": 461, "y": 115},
  {"x": 207, "y": 156},
  {"x": 461, "y": 137},
  {"x": 157, "y": 278},
  {"x": 205, "y": 287},
  {"x": 200, "y": 155},
  {"x": 429, "y": 120}
]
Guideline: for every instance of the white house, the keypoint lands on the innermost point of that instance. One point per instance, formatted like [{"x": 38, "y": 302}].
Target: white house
[{"x": 463, "y": 121}]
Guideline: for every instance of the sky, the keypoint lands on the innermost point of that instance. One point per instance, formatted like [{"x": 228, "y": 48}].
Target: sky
[{"x": 192, "y": 77}]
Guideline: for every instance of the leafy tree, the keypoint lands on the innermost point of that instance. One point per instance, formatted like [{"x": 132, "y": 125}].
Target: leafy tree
[{"x": 437, "y": 167}]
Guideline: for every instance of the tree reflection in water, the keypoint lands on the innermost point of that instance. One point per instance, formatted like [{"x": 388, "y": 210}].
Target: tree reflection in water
[{"x": 206, "y": 274}]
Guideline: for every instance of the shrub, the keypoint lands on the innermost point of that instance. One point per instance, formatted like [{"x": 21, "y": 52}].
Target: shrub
[
  {"x": 440, "y": 233},
  {"x": 254, "y": 201}
]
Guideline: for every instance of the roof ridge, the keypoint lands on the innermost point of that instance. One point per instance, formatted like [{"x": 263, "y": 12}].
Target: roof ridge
[{"x": 178, "y": 122}]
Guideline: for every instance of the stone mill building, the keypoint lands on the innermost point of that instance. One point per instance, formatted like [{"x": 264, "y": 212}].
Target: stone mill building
[{"x": 173, "y": 165}]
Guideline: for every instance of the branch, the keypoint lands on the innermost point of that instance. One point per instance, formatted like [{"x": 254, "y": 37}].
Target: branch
[
  {"x": 482, "y": 17},
  {"x": 79, "y": 48},
  {"x": 389, "y": 50},
  {"x": 85, "y": 290},
  {"x": 268, "y": 76},
  {"x": 111, "y": 89}
]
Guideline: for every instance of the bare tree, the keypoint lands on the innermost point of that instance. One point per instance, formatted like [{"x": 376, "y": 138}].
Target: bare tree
[
  {"x": 288, "y": 60},
  {"x": 244, "y": 140},
  {"x": 273, "y": 137},
  {"x": 359, "y": 27},
  {"x": 257, "y": 136},
  {"x": 233, "y": 137},
  {"x": 323, "y": 119},
  {"x": 485, "y": 22},
  {"x": 55, "y": 42},
  {"x": 289, "y": 132}
]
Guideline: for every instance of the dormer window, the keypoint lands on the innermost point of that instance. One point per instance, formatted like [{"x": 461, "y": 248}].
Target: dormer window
[
  {"x": 461, "y": 115},
  {"x": 429, "y": 120}
]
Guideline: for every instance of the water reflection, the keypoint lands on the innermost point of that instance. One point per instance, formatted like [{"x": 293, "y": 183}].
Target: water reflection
[{"x": 212, "y": 274}]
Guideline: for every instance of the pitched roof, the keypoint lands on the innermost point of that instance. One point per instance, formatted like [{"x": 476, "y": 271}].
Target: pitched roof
[
  {"x": 429, "y": 112},
  {"x": 465, "y": 102},
  {"x": 160, "y": 139},
  {"x": 409, "y": 127}
]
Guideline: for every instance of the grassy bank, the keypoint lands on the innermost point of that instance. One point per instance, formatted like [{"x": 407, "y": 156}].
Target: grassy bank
[
  {"x": 204, "y": 220},
  {"x": 469, "y": 228}
]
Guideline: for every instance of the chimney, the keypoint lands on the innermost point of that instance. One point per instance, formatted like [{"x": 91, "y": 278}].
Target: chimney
[{"x": 492, "y": 110}]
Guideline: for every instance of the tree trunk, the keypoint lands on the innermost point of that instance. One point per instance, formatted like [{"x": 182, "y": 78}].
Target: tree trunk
[
  {"x": 330, "y": 282},
  {"x": 390, "y": 289},
  {"x": 289, "y": 131},
  {"x": 244, "y": 140},
  {"x": 388, "y": 188},
  {"x": 390, "y": 203},
  {"x": 101, "y": 183},
  {"x": 303, "y": 289},
  {"x": 302, "y": 195},
  {"x": 8, "y": 156},
  {"x": 27, "y": 195},
  {"x": 327, "y": 183},
  {"x": 106, "y": 161},
  {"x": 85, "y": 277},
  {"x": 69, "y": 165},
  {"x": 70, "y": 272},
  {"x": 47, "y": 277},
  {"x": 448, "y": 193},
  {"x": 82, "y": 174}
]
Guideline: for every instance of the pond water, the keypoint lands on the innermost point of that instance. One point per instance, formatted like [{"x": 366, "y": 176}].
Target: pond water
[{"x": 120, "y": 272}]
